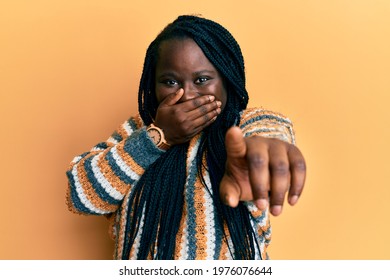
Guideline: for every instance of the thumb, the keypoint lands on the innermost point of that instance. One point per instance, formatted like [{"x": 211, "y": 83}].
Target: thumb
[
  {"x": 172, "y": 98},
  {"x": 235, "y": 143},
  {"x": 229, "y": 190}
]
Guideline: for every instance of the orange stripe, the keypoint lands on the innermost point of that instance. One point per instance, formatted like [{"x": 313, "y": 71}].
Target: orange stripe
[
  {"x": 69, "y": 202},
  {"x": 201, "y": 231},
  {"x": 138, "y": 121},
  {"x": 122, "y": 131},
  {"x": 256, "y": 213},
  {"x": 255, "y": 112},
  {"x": 224, "y": 245},
  {"x": 260, "y": 231},
  {"x": 267, "y": 225}
]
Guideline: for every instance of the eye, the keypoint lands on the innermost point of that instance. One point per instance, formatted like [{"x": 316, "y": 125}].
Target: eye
[
  {"x": 201, "y": 80},
  {"x": 170, "y": 82}
]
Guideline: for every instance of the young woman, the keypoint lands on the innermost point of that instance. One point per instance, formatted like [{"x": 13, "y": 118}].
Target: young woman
[{"x": 194, "y": 174}]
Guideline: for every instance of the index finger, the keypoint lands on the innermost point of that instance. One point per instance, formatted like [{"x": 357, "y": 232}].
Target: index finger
[
  {"x": 172, "y": 98},
  {"x": 259, "y": 176},
  {"x": 199, "y": 101}
]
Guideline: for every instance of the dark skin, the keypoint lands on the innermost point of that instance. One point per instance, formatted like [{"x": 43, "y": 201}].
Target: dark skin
[{"x": 191, "y": 95}]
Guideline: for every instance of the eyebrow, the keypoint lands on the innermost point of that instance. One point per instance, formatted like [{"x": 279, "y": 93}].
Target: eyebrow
[
  {"x": 197, "y": 73},
  {"x": 202, "y": 72},
  {"x": 167, "y": 74}
]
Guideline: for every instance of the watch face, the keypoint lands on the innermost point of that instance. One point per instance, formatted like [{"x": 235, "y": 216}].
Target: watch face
[{"x": 155, "y": 135}]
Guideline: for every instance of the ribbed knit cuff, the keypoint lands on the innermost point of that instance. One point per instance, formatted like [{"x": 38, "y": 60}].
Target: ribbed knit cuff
[{"x": 141, "y": 148}]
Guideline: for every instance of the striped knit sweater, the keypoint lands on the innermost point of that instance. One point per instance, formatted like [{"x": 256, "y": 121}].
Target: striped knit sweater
[{"x": 101, "y": 180}]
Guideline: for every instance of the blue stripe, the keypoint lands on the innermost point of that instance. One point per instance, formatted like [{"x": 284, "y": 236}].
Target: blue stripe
[
  {"x": 131, "y": 122},
  {"x": 266, "y": 130},
  {"x": 102, "y": 145},
  {"x": 98, "y": 188},
  {"x": 218, "y": 237},
  {"x": 75, "y": 198},
  {"x": 84, "y": 154},
  {"x": 117, "y": 170},
  {"x": 262, "y": 117},
  {"x": 191, "y": 216},
  {"x": 116, "y": 136}
]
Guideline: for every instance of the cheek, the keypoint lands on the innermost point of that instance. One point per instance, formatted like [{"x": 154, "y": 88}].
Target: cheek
[{"x": 161, "y": 93}]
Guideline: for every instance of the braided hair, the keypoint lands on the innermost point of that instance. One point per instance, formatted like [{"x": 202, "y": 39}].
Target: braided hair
[{"x": 156, "y": 203}]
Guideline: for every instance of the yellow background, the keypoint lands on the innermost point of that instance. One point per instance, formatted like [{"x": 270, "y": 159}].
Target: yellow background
[{"x": 69, "y": 73}]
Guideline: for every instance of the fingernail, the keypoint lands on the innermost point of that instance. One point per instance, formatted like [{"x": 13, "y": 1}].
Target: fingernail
[
  {"x": 294, "y": 199},
  {"x": 219, "y": 103},
  {"x": 276, "y": 210},
  {"x": 262, "y": 203},
  {"x": 218, "y": 110},
  {"x": 211, "y": 98}
]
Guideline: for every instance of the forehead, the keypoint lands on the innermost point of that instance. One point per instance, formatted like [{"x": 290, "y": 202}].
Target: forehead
[{"x": 183, "y": 53}]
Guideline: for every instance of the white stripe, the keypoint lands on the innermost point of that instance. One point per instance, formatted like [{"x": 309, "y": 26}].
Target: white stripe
[
  {"x": 76, "y": 159},
  {"x": 127, "y": 128},
  {"x": 123, "y": 166},
  {"x": 258, "y": 241},
  {"x": 112, "y": 140},
  {"x": 103, "y": 181},
  {"x": 82, "y": 196},
  {"x": 210, "y": 225},
  {"x": 191, "y": 158}
]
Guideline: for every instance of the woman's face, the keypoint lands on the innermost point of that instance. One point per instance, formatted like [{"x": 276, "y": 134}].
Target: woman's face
[{"x": 182, "y": 64}]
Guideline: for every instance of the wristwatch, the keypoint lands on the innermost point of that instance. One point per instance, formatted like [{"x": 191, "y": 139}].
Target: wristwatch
[{"x": 157, "y": 136}]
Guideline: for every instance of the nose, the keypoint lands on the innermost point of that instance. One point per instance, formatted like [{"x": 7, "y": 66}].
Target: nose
[{"x": 190, "y": 92}]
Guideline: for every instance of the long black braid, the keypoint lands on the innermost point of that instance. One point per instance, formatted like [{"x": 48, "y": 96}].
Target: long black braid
[{"x": 157, "y": 200}]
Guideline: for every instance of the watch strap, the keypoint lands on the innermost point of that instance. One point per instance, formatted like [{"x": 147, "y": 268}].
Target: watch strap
[{"x": 162, "y": 144}]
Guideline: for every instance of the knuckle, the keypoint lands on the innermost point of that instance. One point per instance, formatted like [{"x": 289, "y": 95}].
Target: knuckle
[
  {"x": 203, "y": 109},
  {"x": 256, "y": 160},
  {"x": 280, "y": 168},
  {"x": 299, "y": 165},
  {"x": 196, "y": 102}
]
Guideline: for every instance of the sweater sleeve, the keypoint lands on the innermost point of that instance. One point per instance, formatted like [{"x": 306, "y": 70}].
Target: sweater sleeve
[
  {"x": 261, "y": 122},
  {"x": 257, "y": 121},
  {"x": 99, "y": 180}
]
